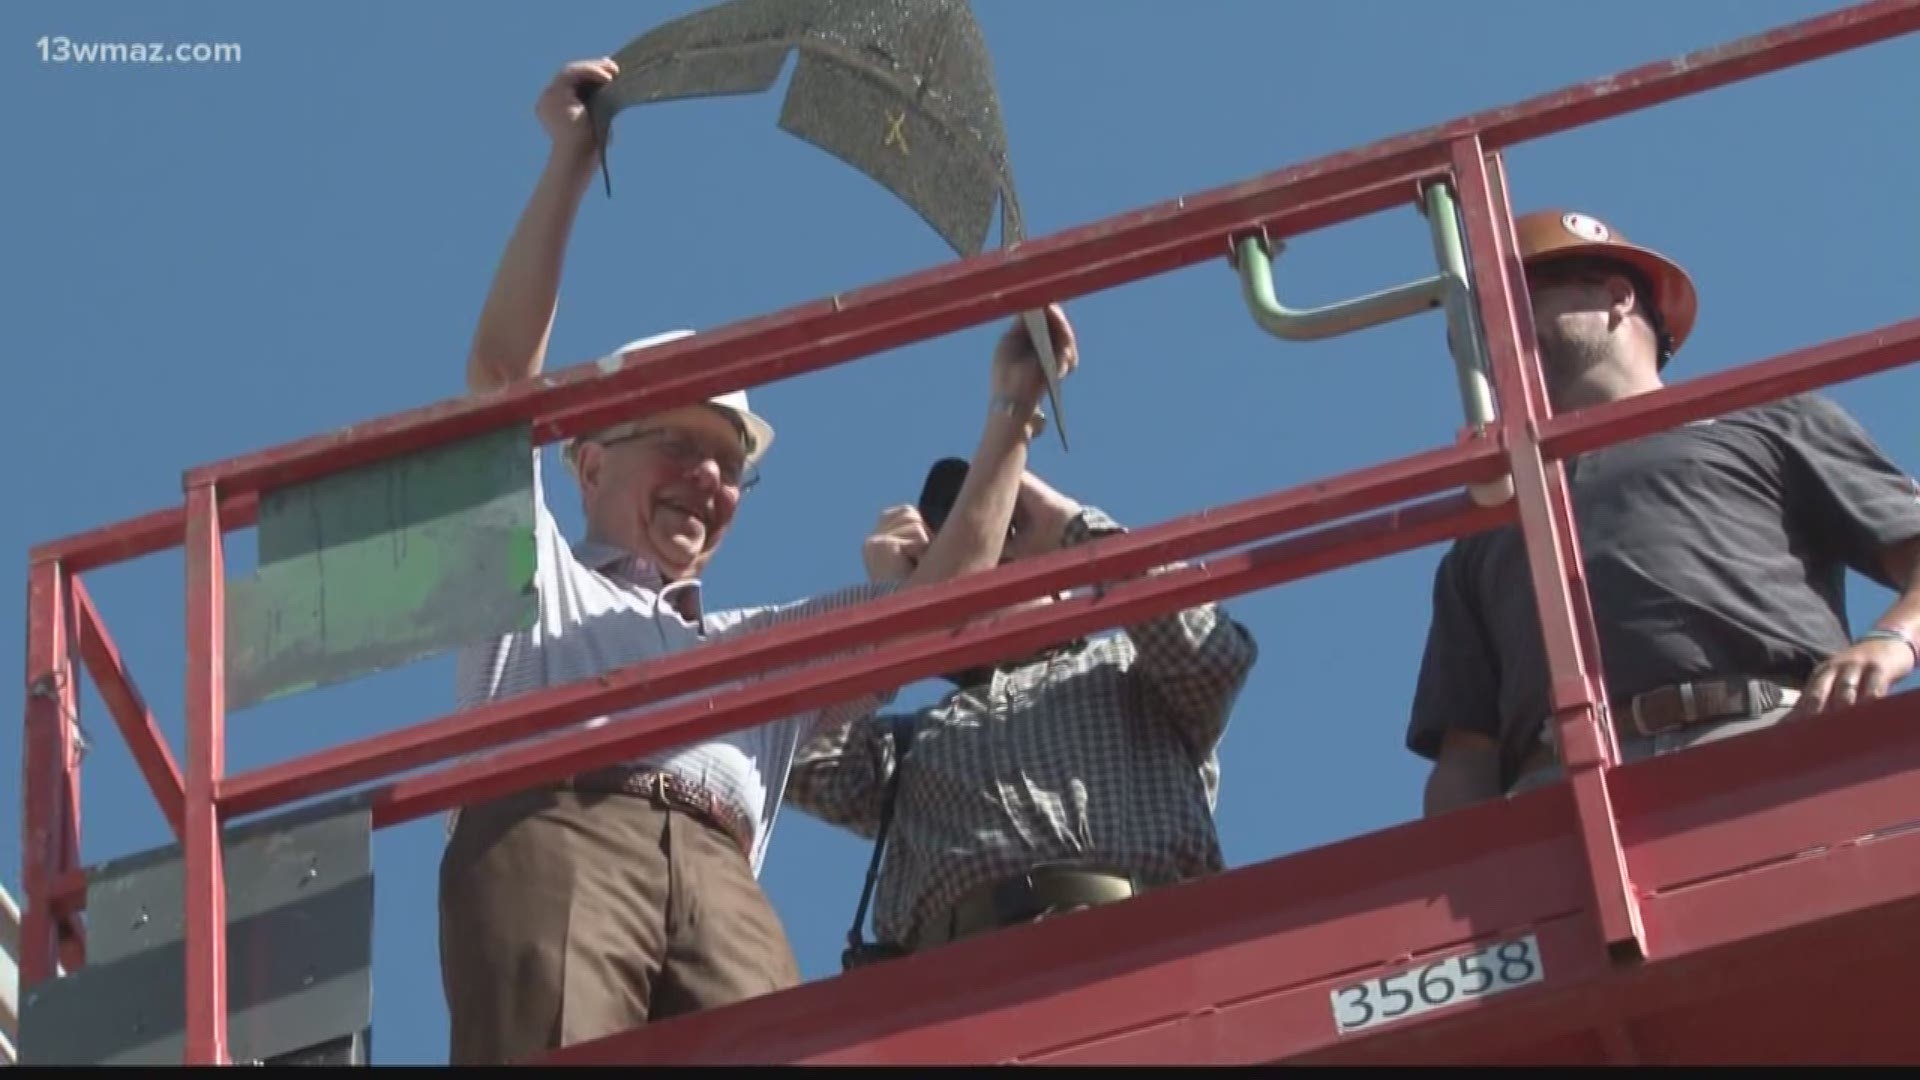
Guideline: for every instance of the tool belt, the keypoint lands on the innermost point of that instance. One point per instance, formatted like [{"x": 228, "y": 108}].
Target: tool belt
[
  {"x": 1025, "y": 897},
  {"x": 670, "y": 791},
  {"x": 1681, "y": 705}
]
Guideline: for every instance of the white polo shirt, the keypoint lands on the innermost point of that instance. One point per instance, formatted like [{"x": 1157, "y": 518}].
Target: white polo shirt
[{"x": 602, "y": 608}]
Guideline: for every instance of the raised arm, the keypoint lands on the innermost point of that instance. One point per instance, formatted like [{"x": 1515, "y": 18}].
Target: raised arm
[
  {"x": 510, "y": 342},
  {"x": 902, "y": 553},
  {"x": 1193, "y": 662},
  {"x": 902, "y": 548}
]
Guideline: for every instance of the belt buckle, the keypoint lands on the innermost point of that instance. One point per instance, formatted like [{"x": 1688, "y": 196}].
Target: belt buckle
[
  {"x": 654, "y": 786},
  {"x": 672, "y": 790},
  {"x": 1705, "y": 700},
  {"x": 1640, "y": 703},
  {"x": 1635, "y": 709}
]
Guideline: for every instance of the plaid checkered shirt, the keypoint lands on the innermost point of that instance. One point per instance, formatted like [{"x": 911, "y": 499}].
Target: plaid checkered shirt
[{"x": 1102, "y": 753}]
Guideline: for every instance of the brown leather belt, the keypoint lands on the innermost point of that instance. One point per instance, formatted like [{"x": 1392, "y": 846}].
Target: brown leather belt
[
  {"x": 1669, "y": 708},
  {"x": 672, "y": 792},
  {"x": 1025, "y": 897}
]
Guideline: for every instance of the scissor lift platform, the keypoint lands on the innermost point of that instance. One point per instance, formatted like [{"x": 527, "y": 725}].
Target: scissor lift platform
[{"x": 1753, "y": 900}]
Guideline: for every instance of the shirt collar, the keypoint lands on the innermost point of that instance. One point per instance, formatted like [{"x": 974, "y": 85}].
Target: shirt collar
[{"x": 633, "y": 569}]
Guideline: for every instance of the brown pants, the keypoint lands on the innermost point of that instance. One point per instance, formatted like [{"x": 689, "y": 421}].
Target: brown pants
[{"x": 565, "y": 917}]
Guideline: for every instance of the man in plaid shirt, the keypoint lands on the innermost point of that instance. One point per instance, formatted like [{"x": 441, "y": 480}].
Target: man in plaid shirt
[{"x": 1075, "y": 777}]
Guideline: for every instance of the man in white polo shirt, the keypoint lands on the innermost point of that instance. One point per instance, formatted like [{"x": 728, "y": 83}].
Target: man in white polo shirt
[{"x": 631, "y": 893}]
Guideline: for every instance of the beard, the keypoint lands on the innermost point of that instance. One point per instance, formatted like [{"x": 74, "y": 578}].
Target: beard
[{"x": 1567, "y": 358}]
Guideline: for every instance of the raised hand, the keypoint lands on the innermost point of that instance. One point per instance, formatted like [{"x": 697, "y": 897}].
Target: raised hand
[
  {"x": 1017, "y": 377},
  {"x": 559, "y": 107},
  {"x": 897, "y": 542}
]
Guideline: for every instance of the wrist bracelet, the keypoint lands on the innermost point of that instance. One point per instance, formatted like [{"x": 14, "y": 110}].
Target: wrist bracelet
[
  {"x": 1036, "y": 419},
  {"x": 1901, "y": 636}
]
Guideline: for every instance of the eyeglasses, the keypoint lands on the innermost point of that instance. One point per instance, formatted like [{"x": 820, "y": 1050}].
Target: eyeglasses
[{"x": 688, "y": 453}]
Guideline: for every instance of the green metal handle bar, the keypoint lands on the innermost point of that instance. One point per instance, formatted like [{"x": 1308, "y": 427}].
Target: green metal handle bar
[
  {"x": 1463, "y": 329},
  {"x": 1450, "y": 290},
  {"x": 1464, "y": 339},
  {"x": 1255, "y": 263}
]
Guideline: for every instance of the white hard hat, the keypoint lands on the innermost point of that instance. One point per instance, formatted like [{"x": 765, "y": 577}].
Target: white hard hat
[{"x": 759, "y": 433}]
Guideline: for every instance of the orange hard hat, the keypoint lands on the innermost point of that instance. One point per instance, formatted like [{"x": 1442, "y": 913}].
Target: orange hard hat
[{"x": 1548, "y": 235}]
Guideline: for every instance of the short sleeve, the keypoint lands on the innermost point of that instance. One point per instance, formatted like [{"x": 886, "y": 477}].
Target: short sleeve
[
  {"x": 1851, "y": 498},
  {"x": 1458, "y": 687}
]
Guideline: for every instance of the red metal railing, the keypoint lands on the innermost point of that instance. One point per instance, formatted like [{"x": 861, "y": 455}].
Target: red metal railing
[{"x": 897, "y": 635}]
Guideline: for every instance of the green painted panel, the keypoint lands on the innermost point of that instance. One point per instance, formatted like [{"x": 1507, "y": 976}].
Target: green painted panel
[{"x": 384, "y": 565}]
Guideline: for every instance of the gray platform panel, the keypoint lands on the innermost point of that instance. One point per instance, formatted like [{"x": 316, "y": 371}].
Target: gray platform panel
[{"x": 299, "y": 952}]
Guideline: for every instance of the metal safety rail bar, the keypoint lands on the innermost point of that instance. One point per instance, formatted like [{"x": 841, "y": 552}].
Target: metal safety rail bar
[
  {"x": 898, "y": 635},
  {"x": 9, "y": 976}
]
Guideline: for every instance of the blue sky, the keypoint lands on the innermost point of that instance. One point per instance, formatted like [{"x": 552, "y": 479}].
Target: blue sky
[{"x": 207, "y": 259}]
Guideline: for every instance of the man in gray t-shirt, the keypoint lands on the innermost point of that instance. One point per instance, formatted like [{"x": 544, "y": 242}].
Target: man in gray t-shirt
[{"x": 1715, "y": 552}]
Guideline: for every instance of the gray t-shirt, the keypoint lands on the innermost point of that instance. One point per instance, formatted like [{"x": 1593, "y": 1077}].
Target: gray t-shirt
[{"x": 1714, "y": 550}]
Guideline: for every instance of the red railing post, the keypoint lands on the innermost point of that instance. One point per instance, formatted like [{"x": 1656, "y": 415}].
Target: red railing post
[
  {"x": 1577, "y": 690},
  {"x": 205, "y": 935},
  {"x": 101, "y": 658},
  {"x": 50, "y": 824}
]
